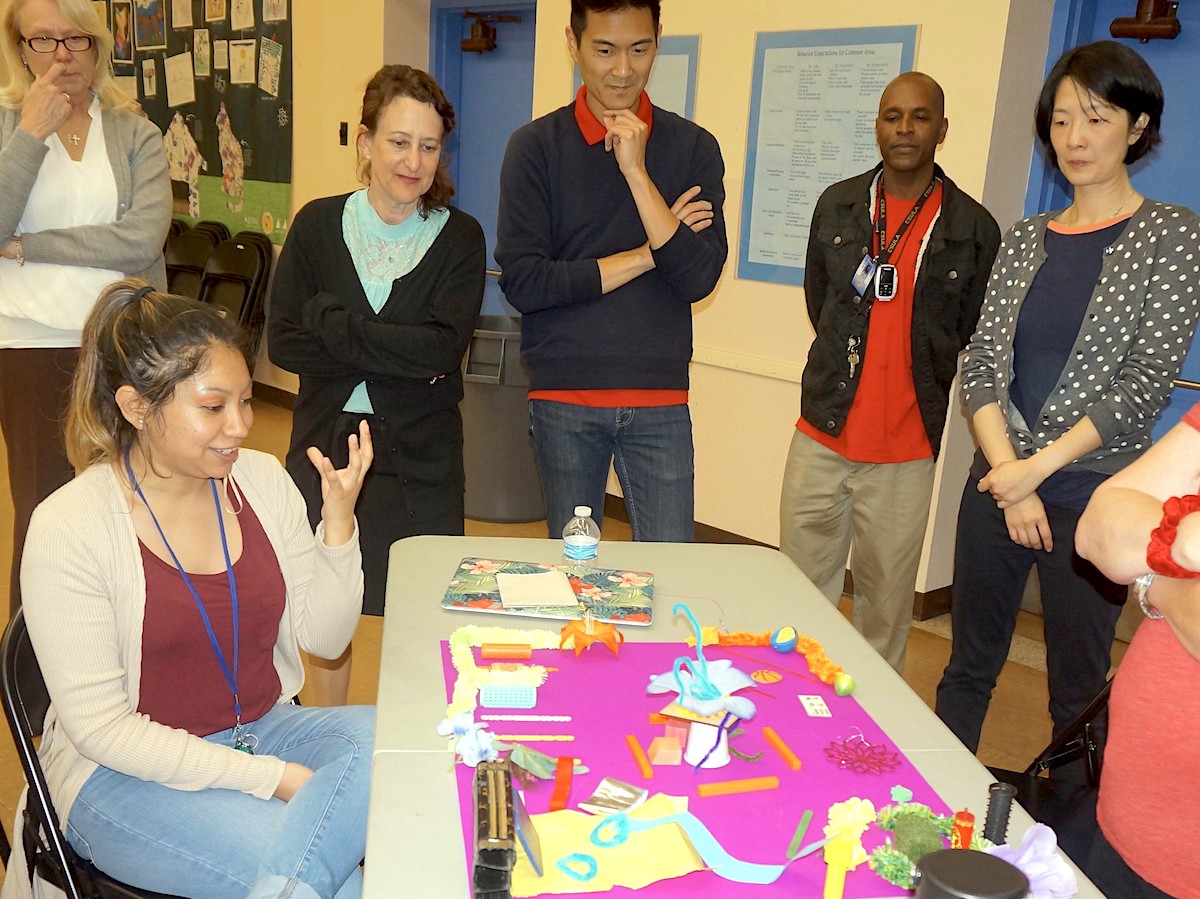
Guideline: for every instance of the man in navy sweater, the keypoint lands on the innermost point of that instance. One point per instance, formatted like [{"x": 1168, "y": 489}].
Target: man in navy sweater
[{"x": 610, "y": 227}]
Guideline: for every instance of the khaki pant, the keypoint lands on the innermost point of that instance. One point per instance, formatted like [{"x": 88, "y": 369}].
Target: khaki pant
[{"x": 829, "y": 503}]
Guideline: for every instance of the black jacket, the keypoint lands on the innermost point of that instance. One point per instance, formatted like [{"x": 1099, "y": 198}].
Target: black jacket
[
  {"x": 321, "y": 326},
  {"x": 949, "y": 291}
]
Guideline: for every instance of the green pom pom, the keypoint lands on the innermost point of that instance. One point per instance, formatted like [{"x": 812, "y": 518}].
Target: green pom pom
[{"x": 916, "y": 836}]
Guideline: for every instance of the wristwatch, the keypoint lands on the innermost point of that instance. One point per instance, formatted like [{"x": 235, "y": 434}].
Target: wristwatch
[{"x": 1141, "y": 586}]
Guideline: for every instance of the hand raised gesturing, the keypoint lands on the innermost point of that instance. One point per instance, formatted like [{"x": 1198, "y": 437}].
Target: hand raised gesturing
[{"x": 340, "y": 487}]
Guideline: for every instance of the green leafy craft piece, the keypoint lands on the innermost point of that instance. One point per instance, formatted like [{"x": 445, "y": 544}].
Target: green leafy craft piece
[
  {"x": 917, "y": 831},
  {"x": 892, "y": 866},
  {"x": 536, "y": 763}
]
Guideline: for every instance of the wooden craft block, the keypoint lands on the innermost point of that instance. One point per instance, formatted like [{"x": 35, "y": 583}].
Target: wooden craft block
[{"x": 665, "y": 751}]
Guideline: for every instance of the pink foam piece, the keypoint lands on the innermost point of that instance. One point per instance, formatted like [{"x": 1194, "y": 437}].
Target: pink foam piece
[
  {"x": 665, "y": 751},
  {"x": 677, "y": 729}
]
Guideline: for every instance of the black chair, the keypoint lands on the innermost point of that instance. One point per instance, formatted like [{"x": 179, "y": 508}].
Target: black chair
[
  {"x": 47, "y": 852},
  {"x": 186, "y": 255},
  {"x": 217, "y": 229},
  {"x": 254, "y": 318},
  {"x": 1067, "y": 804},
  {"x": 235, "y": 279}
]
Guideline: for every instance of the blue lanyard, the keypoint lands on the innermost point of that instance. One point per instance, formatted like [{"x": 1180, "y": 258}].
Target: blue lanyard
[{"x": 231, "y": 673}]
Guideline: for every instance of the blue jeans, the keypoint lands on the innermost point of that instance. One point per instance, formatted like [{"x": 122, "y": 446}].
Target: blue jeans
[
  {"x": 649, "y": 446},
  {"x": 224, "y": 843}
]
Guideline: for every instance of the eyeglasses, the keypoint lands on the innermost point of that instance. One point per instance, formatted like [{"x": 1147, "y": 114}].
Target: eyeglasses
[{"x": 76, "y": 43}]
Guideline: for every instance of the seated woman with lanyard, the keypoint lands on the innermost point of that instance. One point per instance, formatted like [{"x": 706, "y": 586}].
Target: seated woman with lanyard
[{"x": 169, "y": 590}]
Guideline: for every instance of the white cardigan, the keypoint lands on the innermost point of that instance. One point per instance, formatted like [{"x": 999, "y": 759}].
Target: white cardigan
[{"x": 84, "y": 593}]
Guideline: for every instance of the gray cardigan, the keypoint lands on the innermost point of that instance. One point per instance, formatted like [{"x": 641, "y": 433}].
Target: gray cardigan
[
  {"x": 133, "y": 243},
  {"x": 1135, "y": 334}
]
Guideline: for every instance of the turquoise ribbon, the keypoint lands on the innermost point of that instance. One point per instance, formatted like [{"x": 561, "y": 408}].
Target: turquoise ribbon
[{"x": 711, "y": 852}]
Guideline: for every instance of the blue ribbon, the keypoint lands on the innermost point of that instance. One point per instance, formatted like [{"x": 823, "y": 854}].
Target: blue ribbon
[{"x": 711, "y": 852}]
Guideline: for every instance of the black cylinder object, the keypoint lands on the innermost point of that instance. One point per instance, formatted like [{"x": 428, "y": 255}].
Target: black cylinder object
[
  {"x": 995, "y": 826},
  {"x": 966, "y": 874}
]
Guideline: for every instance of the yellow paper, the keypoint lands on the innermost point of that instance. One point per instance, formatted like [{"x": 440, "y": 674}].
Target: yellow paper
[
  {"x": 646, "y": 857},
  {"x": 675, "y": 710}
]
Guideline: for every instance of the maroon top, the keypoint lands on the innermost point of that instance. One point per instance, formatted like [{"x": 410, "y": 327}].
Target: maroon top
[{"x": 182, "y": 684}]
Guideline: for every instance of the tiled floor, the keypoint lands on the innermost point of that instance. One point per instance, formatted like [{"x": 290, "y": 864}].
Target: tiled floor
[{"x": 1017, "y": 727}]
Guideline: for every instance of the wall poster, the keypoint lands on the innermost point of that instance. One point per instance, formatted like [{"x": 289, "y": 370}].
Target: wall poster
[
  {"x": 218, "y": 83},
  {"x": 813, "y": 103}
]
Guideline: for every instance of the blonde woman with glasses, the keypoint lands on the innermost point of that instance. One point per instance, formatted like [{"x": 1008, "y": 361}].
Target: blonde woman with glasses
[{"x": 85, "y": 201}]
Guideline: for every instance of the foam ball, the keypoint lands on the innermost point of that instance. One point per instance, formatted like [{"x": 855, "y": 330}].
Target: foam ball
[
  {"x": 784, "y": 639},
  {"x": 843, "y": 684}
]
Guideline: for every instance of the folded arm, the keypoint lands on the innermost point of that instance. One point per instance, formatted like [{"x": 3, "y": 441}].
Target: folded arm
[
  {"x": 427, "y": 349},
  {"x": 135, "y": 240},
  {"x": 1115, "y": 529},
  {"x": 296, "y": 283}
]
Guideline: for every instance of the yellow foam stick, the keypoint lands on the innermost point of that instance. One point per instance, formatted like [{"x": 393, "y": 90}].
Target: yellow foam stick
[{"x": 838, "y": 852}]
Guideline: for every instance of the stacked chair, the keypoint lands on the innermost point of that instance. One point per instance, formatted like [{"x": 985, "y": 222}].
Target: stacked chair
[
  {"x": 216, "y": 229},
  {"x": 209, "y": 265},
  {"x": 235, "y": 279},
  {"x": 185, "y": 255}
]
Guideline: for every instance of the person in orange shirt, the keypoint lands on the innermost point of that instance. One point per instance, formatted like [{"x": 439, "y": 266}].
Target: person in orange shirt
[
  {"x": 898, "y": 260},
  {"x": 1142, "y": 527}
]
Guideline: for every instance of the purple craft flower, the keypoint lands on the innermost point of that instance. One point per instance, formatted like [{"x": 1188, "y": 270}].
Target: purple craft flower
[{"x": 1050, "y": 877}]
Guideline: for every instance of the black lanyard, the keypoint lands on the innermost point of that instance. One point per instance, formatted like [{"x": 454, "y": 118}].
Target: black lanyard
[{"x": 881, "y": 221}]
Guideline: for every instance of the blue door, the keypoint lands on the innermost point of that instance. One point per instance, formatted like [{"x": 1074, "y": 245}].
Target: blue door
[{"x": 492, "y": 95}]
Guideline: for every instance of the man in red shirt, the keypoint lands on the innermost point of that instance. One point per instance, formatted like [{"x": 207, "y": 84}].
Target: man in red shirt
[
  {"x": 604, "y": 273},
  {"x": 898, "y": 260}
]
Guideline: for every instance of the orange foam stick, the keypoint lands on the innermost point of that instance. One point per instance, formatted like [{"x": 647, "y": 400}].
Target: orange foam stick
[
  {"x": 793, "y": 761},
  {"x": 562, "y": 783},
  {"x": 506, "y": 651},
  {"x": 658, "y": 718},
  {"x": 639, "y": 756},
  {"x": 728, "y": 787}
]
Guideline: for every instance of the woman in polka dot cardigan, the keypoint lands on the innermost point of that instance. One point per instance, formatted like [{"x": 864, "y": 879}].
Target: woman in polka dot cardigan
[{"x": 1086, "y": 322}]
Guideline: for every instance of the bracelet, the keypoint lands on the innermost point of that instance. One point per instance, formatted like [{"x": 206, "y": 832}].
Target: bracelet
[
  {"x": 1141, "y": 587},
  {"x": 1158, "y": 553},
  {"x": 20, "y": 251}
]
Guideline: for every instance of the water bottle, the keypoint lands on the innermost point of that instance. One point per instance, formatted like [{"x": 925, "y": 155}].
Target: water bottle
[{"x": 581, "y": 541}]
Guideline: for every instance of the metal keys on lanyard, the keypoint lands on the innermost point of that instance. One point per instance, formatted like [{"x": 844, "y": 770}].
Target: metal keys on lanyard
[{"x": 852, "y": 357}]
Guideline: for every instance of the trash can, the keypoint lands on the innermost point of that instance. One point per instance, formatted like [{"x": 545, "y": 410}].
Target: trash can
[{"x": 502, "y": 476}]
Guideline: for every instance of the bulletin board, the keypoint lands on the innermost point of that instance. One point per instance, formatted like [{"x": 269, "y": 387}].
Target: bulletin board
[
  {"x": 814, "y": 98},
  {"x": 216, "y": 77}
]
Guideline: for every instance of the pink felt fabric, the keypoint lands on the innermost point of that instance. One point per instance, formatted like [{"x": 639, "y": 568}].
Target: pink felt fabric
[{"x": 606, "y": 697}]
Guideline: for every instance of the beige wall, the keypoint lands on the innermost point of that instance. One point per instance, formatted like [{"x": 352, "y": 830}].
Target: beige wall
[
  {"x": 328, "y": 77},
  {"x": 751, "y": 338}
]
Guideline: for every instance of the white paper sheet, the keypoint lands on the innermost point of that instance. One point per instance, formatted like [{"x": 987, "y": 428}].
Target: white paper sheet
[{"x": 548, "y": 588}]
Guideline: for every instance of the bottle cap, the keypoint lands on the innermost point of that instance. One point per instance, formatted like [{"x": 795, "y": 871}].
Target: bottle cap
[{"x": 583, "y": 511}]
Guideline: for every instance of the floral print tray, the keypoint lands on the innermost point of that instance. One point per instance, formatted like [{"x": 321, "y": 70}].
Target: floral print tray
[{"x": 621, "y": 597}]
